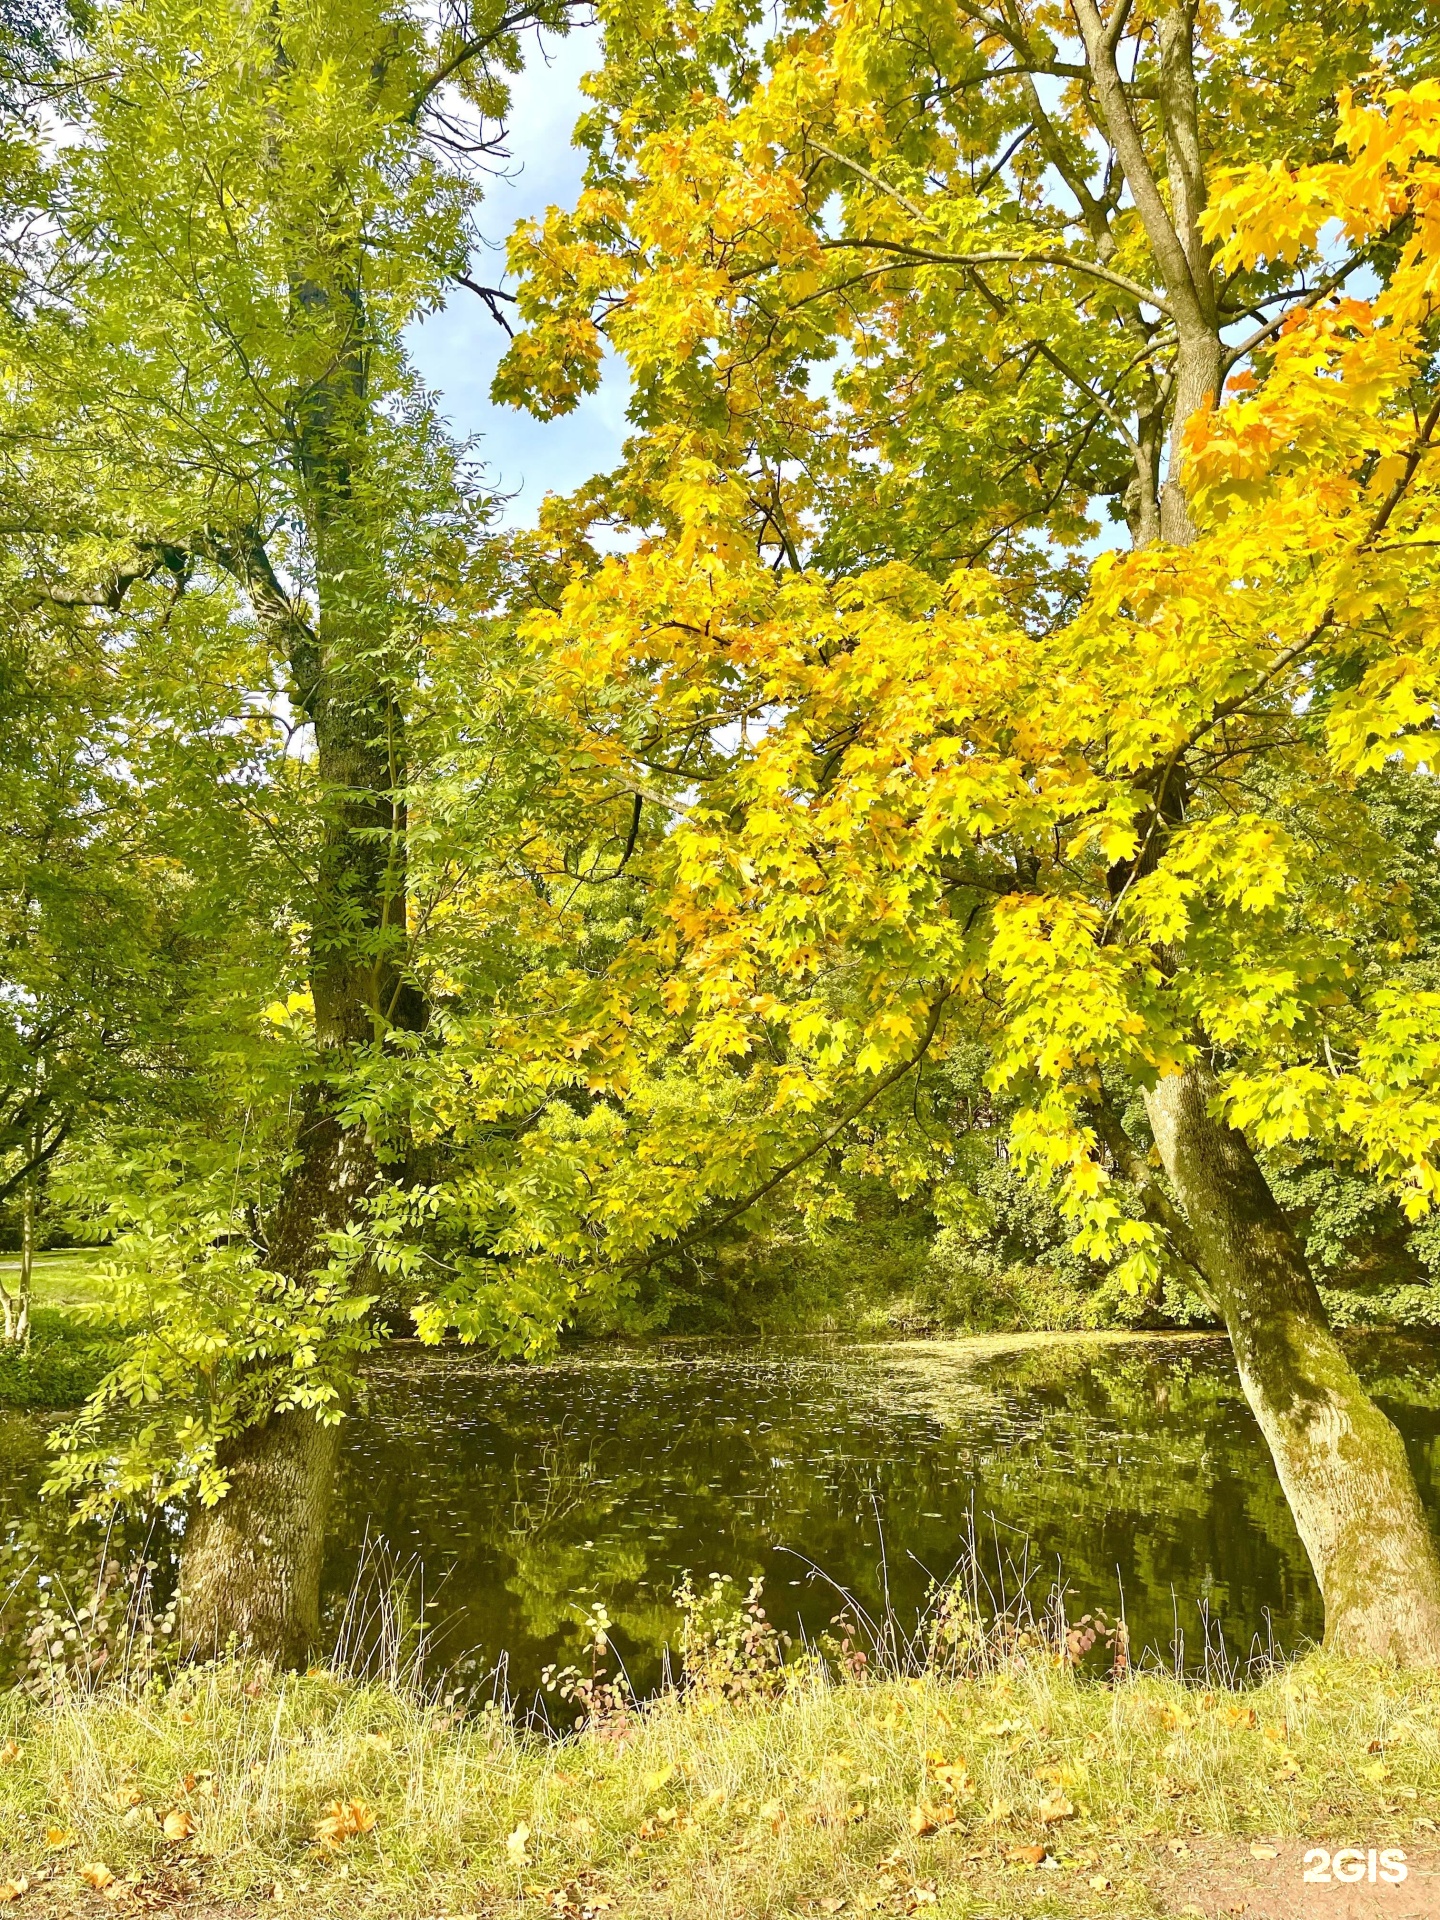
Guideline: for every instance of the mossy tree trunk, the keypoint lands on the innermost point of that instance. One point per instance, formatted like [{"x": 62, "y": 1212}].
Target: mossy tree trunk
[
  {"x": 252, "y": 1564},
  {"x": 1341, "y": 1462}
]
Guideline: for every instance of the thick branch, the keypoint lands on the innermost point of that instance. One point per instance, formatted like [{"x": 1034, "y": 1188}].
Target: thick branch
[
  {"x": 1189, "y": 308},
  {"x": 852, "y": 1112},
  {"x": 1033, "y": 256}
]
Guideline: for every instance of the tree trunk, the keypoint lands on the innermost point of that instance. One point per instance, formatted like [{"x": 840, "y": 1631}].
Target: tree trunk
[
  {"x": 16, "y": 1306},
  {"x": 251, "y": 1573},
  {"x": 1341, "y": 1462},
  {"x": 252, "y": 1564}
]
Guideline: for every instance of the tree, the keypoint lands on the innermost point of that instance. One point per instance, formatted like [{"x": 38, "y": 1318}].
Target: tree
[
  {"x": 213, "y": 403},
  {"x": 1107, "y": 808}
]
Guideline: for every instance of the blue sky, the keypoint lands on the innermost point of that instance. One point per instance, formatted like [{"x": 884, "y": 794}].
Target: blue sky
[{"x": 457, "y": 350}]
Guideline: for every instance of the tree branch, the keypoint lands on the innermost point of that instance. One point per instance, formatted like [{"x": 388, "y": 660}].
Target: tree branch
[
  {"x": 1034, "y": 256},
  {"x": 852, "y": 1112}
]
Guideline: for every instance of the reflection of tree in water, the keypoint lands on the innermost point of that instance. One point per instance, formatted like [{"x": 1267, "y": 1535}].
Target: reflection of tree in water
[
  {"x": 528, "y": 1494},
  {"x": 1136, "y": 1467}
]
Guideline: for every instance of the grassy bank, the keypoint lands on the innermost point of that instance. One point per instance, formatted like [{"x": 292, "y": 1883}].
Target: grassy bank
[
  {"x": 1025, "y": 1793},
  {"x": 64, "y": 1360}
]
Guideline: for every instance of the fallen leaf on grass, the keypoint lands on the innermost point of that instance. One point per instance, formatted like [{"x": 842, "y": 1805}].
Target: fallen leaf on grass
[
  {"x": 1260, "y": 1852},
  {"x": 179, "y": 1826},
  {"x": 59, "y": 1836},
  {"x": 832, "y": 1903},
  {"x": 925, "y": 1819},
  {"x": 1099, "y": 1883},
  {"x": 659, "y": 1778},
  {"x": 344, "y": 1821},
  {"x": 955, "y": 1778},
  {"x": 128, "y": 1796},
  {"x": 1025, "y": 1856},
  {"x": 97, "y": 1875},
  {"x": 9, "y": 1753},
  {"x": 517, "y": 1844},
  {"x": 1056, "y": 1808},
  {"x": 1242, "y": 1716},
  {"x": 13, "y": 1890}
]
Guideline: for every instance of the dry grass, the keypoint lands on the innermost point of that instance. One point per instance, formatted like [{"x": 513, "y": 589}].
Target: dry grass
[{"x": 704, "y": 1806}]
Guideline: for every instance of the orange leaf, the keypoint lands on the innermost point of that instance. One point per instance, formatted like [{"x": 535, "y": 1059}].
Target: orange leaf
[
  {"x": 97, "y": 1875},
  {"x": 179, "y": 1826},
  {"x": 13, "y": 1889},
  {"x": 345, "y": 1819}
]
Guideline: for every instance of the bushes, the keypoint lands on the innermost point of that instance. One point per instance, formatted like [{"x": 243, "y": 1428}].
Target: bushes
[{"x": 62, "y": 1365}]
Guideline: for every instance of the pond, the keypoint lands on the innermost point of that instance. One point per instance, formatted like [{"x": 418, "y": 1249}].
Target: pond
[
  {"x": 1132, "y": 1467},
  {"x": 1129, "y": 1466}
]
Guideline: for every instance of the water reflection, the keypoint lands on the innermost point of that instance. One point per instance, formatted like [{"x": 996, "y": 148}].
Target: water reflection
[
  {"x": 529, "y": 1493},
  {"x": 1133, "y": 1465}
]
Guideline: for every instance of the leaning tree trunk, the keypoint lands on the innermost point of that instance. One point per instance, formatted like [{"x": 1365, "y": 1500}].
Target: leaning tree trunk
[{"x": 1341, "y": 1462}]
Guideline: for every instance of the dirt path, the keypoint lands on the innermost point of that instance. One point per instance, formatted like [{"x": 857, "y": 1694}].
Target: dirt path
[{"x": 1221, "y": 1879}]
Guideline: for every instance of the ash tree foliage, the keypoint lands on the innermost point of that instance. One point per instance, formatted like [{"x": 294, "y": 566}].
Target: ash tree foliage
[{"x": 985, "y": 721}]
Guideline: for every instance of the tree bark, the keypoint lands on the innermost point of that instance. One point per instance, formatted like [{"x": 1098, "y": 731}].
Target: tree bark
[
  {"x": 16, "y": 1306},
  {"x": 252, "y": 1564},
  {"x": 1341, "y": 1463},
  {"x": 251, "y": 1571}
]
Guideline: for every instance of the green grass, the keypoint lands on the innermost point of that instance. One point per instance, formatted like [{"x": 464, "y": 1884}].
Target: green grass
[
  {"x": 707, "y": 1807},
  {"x": 64, "y": 1360},
  {"x": 61, "y": 1278}
]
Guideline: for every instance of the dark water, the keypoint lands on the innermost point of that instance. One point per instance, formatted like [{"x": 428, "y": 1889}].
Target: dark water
[
  {"x": 530, "y": 1493},
  {"x": 1134, "y": 1468}
]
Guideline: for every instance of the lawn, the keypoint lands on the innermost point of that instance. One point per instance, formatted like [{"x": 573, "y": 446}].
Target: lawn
[{"x": 1028, "y": 1792}]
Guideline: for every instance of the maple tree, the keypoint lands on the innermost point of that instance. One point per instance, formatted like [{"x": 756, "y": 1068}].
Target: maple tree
[
  {"x": 583, "y": 902},
  {"x": 903, "y": 296}
]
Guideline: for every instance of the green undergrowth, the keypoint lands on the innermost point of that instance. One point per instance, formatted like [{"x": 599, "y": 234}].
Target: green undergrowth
[
  {"x": 63, "y": 1363},
  {"x": 1023, "y": 1791}
]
